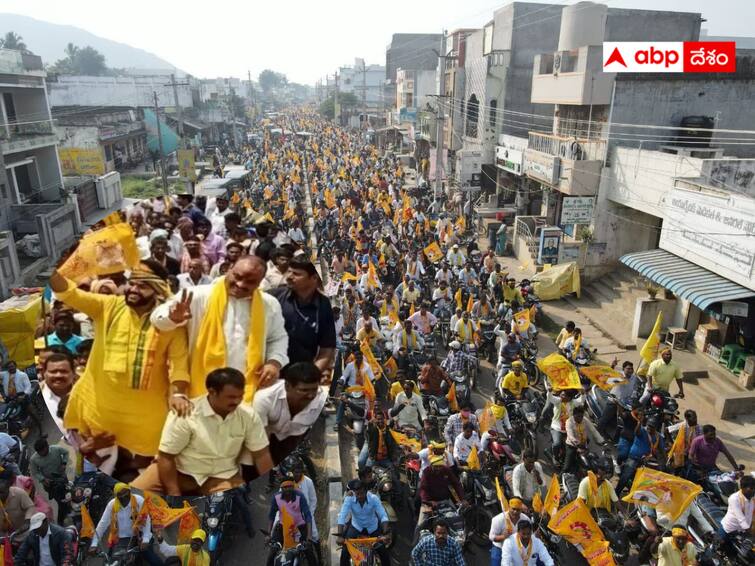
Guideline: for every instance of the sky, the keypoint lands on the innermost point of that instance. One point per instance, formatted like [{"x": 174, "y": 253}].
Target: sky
[{"x": 304, "y": 39}]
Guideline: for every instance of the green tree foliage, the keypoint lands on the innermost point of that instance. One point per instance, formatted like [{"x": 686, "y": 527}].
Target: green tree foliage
[
  {"x": 12, "y": 40},
  {"x": 81, "y": 61},
  {"x": 345, "y": 100},
  {"x": 270, "y": 80}
]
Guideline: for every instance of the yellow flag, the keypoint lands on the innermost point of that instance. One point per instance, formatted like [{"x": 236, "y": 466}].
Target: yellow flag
[
  {"x": 391, "y": 367},
  {"x": 486, "y": 418},
  {"x": 358, "y": 548},
  {"x": 113, "y": 218},
  {"x": 473, "y": 460},
  {"x": 604, "y": 377},
  {"x": 470, "y": 303},
  {"x": 235, "y": 198},
  {"x": 289, "y": 528},
  {"x": 348, "y": 277},
  {"x": 87, "y": 525},
  {"x": 403, "y": 440},
  {"x": 678, "y": 449},
  {"x": 537, "y": 503},
  {"x": 574, "y": 522},
  {"x": 598, "y": 554},
  {"x": 110, "y": 250},
  {"x": 501, "y": 496},
  {"x": 553, "y": 497},
  {"x": 649, "y": 351},
  {"x": 372, "y": 278},
  {"x": 668, "y": 494},
  {"x": 522, "y": 320},
  {"x": 561, "y": 373},
  {"x": 187, "y": 525},
  {"x": 433, "y": 252},
  {"x": 451, "y": 396},
  {"x": 457, "y": 296}
]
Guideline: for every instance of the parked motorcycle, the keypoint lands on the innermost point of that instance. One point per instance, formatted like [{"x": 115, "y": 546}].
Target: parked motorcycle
[
  {"x": 438, "y": 411},
  {"x": 217, "y": 514},
  {"x": 390, "y": 492},
  {"x": 481, "y": 494}
]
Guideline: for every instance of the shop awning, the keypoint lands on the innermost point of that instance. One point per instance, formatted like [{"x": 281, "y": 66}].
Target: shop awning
[{"x": 685, "y": 279}]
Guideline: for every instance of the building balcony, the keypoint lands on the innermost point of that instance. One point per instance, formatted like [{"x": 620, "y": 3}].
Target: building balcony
[
  {"x": 571, "y": 77},
  {"x": 571, "y": 165},
  {"x": 25, "y": 136},
  {"x": 14, "y": 62}
]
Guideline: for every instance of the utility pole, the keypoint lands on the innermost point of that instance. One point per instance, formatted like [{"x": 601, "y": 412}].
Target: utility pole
[
  {"x": 163, "y": 170},
  {"x": 336, "y": 109},
  {"x": 251, "y": 93},
  {"x": 440, "y": 117},
  {"x": 364, "y": 95},
  {"x": 179, "y": 116}
]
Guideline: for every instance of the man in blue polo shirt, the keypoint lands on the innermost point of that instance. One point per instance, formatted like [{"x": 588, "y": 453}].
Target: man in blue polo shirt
[
  {"x": 63, "y": 335},
  {"x": 367, "y": 518}
]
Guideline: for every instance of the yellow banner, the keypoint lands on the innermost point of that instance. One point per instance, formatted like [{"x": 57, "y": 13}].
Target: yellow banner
[
  {"x": 358, "y": 548},
  {"x": 433, "y": 252},
  {"x": 522, "y": 320},
  {"x": 289, "y": 529},
  {"x": 598, "y": 554},
  {"x": 79, "y": 161},
  {"x": 501, "y": 496},
  {"x": 649, "y": 350},
  {"x": 110, "y": 250},
  {"x": 17, "y": 325},
  {"x": 186, "y": 167},
  {"x": 669, "y": 494},
  {"x": 561, "y": 373},
  {"x": 473, "y": 460},
  {"x": 553, "y": 497},
  {"x": 403, "y": 440},
  {"x": 604, "y": 377},
  {"x": 574, "y": 522},
  {"x": 557, "y": 281}
]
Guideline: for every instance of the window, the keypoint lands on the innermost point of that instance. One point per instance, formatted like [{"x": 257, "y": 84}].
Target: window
[
  {"x": 3, "y": 192},
  {"x": 493, "y": 112},
  {"x": 409, "y": 100},
  {"x": 108, "y": 153},
  {"x": 473, "y": 114}
]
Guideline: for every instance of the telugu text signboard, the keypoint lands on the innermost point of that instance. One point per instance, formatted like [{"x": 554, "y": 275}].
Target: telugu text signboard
[
  {"x": 541, "y": 166},
  {"x": 576, "y": 210},
  {"x": 79, "y": 161}
]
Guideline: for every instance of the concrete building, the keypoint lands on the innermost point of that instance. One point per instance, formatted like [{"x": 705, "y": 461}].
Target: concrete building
[
  {"x": 455, "y": 77},
  {"x": 367, "y": 83},
  {"x": 128, "y": 91},
  {"x": 34, "y": 209},
  {"x": 414, "y": 91}
]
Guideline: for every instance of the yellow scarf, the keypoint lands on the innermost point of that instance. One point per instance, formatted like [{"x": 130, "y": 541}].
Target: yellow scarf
[
  {"x": 577, "y": 346},
  {"x": 381, "y": 453},
  {"x": 404, "y": 339},
  {"x": 210, "y": 347},
  {"x": 11, "y": 385},
  {"x": 466, "y": 327},
  {"x": 191, "y": 558},
  {"x": 679, "y": 447},
  {"x": 112, "y": 538},
  {"x": 524, "y": 552},
  {"x": 564, "y": 415},
  {"x": 682, "y": 551},
  {"x": 599, "y": 496},
  {"x": 384, "y": 307}
]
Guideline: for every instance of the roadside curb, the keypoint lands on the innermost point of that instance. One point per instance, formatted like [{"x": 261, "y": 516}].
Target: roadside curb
[{"x": 335, "y": 485}]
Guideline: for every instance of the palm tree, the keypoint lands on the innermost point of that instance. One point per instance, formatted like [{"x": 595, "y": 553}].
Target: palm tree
[
  {"x": 12, "y": 40},
  {"x": 71, "y": 51}
]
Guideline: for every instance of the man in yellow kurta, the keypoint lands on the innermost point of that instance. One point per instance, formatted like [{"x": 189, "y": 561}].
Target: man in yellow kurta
[{"x": 135, "y": 374}]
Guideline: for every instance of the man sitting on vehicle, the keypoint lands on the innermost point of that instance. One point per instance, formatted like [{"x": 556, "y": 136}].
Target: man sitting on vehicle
[
  {"x": 295, "y": 504},
  {"x": 599, "y": 494},
  {"x": 515, "y": 382},
  {"x": 408, "y": 410},
  {"x": 465, "y": 443},
  {"x": 527, "y": 478},
  {"x": 525, "y": 550},
  {"x": 676, "y": 549},
  {"x": 482, "y": 309},
  {"x": 46, "y": 544},
  {"x": 379, "y": 446},
  {"x": 408, "y": 338},
  {"x": 566, "y": 332},
  {"x": 438, "y": 549},
  {"x": 431, "y": 379},
  {"x": 624, "y": 393},
  {"x": 429, "y": 452},
  {"x": 503, "y": 526},
  {"x": 371, "y": 334},
  {"x": 704, "y": 451},
  {"x": 353, "y": 376},
  {"x": 442, "y": 298},
  {"x": 455, "y": 423},
  {"x": 647, "y": 444},
  {"x": 576, "y": 346},
  {"x": 466, "y": 329},
  {"x": 512, "y": 295},
  {"x": 366, "y": 518},
  {"x": 511, "y": 350},
  {"x": 663, "y": 371},
  {"x": 740, "y": 510},
  {"x": 455, "y": 257},
  {"x": 187, "y": 554},
  {"x": 456, "y": 360},
  {"x": 48, "y": 468},
  {"x": 437, "y": 483},
  {"x": 686, "y": 431},
  {"x": 579, "y": 432},
  {"x": 468, "y": 276},
  {"x": 423, "y": 320}
]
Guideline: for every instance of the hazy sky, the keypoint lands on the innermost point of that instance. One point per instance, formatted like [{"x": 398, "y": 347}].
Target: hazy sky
[{"x": 304, "y": 39}]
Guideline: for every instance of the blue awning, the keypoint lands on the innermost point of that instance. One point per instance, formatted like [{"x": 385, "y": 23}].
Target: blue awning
[{"x": 685, "y": 279}]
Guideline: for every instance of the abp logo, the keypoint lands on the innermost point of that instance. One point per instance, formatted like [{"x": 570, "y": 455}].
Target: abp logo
[{"x": 669, "y": 57}]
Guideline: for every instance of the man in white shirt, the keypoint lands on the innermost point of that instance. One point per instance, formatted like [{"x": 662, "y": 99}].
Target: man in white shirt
[
  {"x": 48, "y": 545},
  {"x": 503, "y": 526},
  {"x": 241, "y": 284},
  {"x": 455, "y": 257},
  {"x": 579, "y": 433},
  {"x": 444, "y": 274},
  {"x": 408, "y": 409},
  {"x": 305, "y": 484},
  {"x": 364, "y": 319},
  {"x": 7, "y": 442},
  {"x": 408, "y": 338},
  {"x": 525, "y": 550},
  {"x": 194, "y": 277},
  {"x": 216, "y": 213},
  {"x": 123, "y": 514},
  {"x": 465, "y": 329},
  {"x": 423, "y": 320},
  {"x": 290, "y": 407},
  {"x": 464, "y": 443},
  {"x": 528, "y": 478},
  {"x": 738, "y": 518},
  {"x": 277, "y": 268},
  {"x": 20, "y": 383},
  {"x": 58, "y": 375}
]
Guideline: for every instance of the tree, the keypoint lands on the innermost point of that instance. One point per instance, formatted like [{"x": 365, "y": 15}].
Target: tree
[
  {"x": 81, "y": 61},
  {"x": 270, "y": 80},
  {"x": 345, "y": 100},
  {"x": 12, "y": 40}
]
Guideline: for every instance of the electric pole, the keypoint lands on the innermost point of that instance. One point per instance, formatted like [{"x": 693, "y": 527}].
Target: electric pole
[
  {"x": 163, "y": 171},
  {"x": 251, "y": 94},
  {"x": 179, "y": 116},
  {"x": 364, "y": 96},
  {"x": 440, "y": 117},
  {"x": 336, "y": 109}
]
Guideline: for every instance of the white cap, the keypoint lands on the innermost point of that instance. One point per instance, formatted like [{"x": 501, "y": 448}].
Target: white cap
[
  {"x": 455, "y": 344},
  {"x": 36, "y": 520}
]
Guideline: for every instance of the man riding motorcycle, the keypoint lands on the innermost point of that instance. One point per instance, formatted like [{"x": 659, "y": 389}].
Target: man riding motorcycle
[
  {"x": 599, "y": 493},
  {"x": 515, "y": 383}
]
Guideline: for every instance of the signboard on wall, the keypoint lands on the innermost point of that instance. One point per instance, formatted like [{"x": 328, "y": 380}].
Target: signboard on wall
[
  {"x": 715, "y": 231},
  {"x": 576, "y": 210},
  {"x": 509, "y": 159},
  {"x": 550, "y": 240},
  {"x": 541, "y": 166},
  {"x": 734, "y": 308},
  {"x": 79, "y": 161},
  {"x": 186, "y": 167}
]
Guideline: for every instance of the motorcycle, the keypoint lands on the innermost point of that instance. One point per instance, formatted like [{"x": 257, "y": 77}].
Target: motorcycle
[
  {"x": 488, "y": 346},
  {"x": 218, "y": 512},
  {"x": 453, "y": 515},
  {"x": 473, "y": 365},
  {"x": 295, "y": 556},
  {"x": 438, "y": 411},
  {"x": 663, "y": 407},
  {"x": 389, "y": 491},
  {"x": 16, "y": 414},
  {"x": 484, "y": 500},
  {"x": 463, "y": 388},
  {"x": 356, "y": 414}
]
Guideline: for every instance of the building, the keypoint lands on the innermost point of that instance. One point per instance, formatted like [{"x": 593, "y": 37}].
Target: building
[
  {"x": 119, "y": 92},
  {"x": 455, "y": 79},
  {"x": 35, "y": 212},
  {"x": 367, "y": 83},
  {"x": 410, "y": 52},
  {"x": 414, "y": 92}
]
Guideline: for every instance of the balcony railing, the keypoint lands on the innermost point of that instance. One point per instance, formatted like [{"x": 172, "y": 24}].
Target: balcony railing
[
  {"x": 567, "y": 147},
  {"x": 20, "y": 129}
]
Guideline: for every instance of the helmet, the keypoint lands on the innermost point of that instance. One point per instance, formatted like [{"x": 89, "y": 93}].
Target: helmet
[
  {"x": 655, "y": 423},
  {"x": 605, "y": 465},
  {"x": 455, "y": 345},
  {"x": 498, "y": 448},
  {"x": 657, "y": 401}
]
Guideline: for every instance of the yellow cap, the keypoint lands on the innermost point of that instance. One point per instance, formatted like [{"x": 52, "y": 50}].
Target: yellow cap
[
  {"x": 437, "y": 460},
  {"x": 200, "y": 534},
  {"x": 438, "y": 445},
  {"x": 39, "y": 343},
  {"x": 119, "y": 487},
  {"x": 498, "y": 411},
  {"x": 516, "y": 503},
  {"x": 678, "y": 532}
]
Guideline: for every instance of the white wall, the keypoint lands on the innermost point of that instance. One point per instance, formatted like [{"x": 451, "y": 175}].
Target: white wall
[{"x": 115, "y": 91}]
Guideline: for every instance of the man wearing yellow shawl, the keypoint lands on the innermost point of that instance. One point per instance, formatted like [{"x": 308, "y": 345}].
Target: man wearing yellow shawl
[
  {"x": 121, "y": 520},
  {"x": 596, "y": 489},
  {"x": 231, "y": 323},
  {"x": 135, "y": 373},
  {"x": 191, "y": 554}
]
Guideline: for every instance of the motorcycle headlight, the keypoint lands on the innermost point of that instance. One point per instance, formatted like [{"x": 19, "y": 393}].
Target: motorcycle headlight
[
  {"x": 87, "y": 491},
  {"x": 387, "y": 486},
  {"x": 212, "y": 522},
  {"x": 531, "y": 417}
]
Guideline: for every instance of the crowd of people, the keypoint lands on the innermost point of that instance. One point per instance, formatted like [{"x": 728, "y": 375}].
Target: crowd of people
[{"x": 206, "y": 363}]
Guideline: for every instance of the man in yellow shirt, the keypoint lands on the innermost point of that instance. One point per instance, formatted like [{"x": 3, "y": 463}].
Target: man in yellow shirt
[
  {"x": 676, "y": 550},
  {"x": 663, "y": 371},
  {"x": 135, "y": 374},
  {"x": 372, "y": 335},
  {"x": 511, "y": 293},
  {"x": 515, "y": 382}
]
